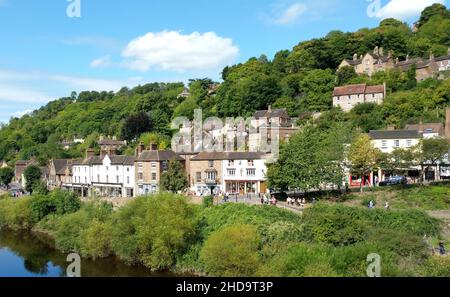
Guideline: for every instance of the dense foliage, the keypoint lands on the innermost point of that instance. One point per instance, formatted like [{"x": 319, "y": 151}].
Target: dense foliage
[
  {"x": 300, "y": 80},
  {"x": 165, "y": 231}
]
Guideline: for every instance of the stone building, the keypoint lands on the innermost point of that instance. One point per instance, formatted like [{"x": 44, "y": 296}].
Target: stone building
[
  {"x": 149, "y": 166},
  {"x": 347, "y": 97}
]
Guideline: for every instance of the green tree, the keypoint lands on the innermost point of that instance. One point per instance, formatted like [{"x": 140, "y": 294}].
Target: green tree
[
  {"x": 135, "y": 125},
  {"x": 174, "y": 179},
  {"x": 345, "y": 74},
  {"x": 231, "y": 252},
  {"x": 6, "y": 175},
  {"x": 32, "y": 176},
  {"x": 433, "y": 150},
  {"x": 436, "y": 9},
  {"x": 362, "y": 157}
]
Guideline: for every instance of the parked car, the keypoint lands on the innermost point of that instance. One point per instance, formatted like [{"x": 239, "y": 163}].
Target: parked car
[{"x": 394, "y": 180}]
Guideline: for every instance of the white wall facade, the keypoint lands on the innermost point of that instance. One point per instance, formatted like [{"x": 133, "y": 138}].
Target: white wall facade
[{"x": 389, "y": 145}]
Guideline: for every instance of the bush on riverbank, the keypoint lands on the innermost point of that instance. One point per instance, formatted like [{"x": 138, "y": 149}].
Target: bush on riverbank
[
  {"x": 154, "y": 230},
  {"x": 165, "y": 231},
  {"x": 16, "y": 214},
  {"x": 232, "y": 251}
]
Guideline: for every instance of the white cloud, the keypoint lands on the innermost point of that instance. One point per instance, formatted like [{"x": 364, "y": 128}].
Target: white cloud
[
  {"x": 404, "y": 9},
  {"x": 20, "y": 114},
  {"x": 286, "y": 15},
  {"x": 87, "y": 83},
  {"x": 173, "y": 51},
  {"x": 16, "y": 93},
  {"x": 101, "y": 62}
]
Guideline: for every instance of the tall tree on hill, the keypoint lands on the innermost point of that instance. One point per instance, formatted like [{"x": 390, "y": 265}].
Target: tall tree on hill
[{"x": 135, "y": 125}]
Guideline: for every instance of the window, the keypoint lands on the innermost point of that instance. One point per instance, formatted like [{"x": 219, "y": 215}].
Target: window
[
  {"x": 141, "y": 176},
  {"x": 153, "y": 165},
  {"x": 128, "y": 169},
  {"x": 98, "y": 177},
  {"x": 230, "y": 163},
  {"x": 409, "y": 143},
  {"x": 153, "y": 175},
  {"x": 85, "y": 180},
  {"x": 211, "y": 176},
  {"x": 165, "y": 166},
  {"x": 107, "y": 179},
  {"x": 396, "y": 143},
  {"x": 384, "y": 144},
  {"x": 251, "y": 172},
  {"x": 117, "y": 168},
  {"x": 251, "y": 163},
  {"x": 211, "y": 164},
  {"x": 140, "y": 165},
  {"x": 128, "y": 179},
  {"x": 107, "y": 168},
  {"x": 231, "y": 172},
  {"x": 117, "y": 179},
  {"x": 198, "y": 177}
]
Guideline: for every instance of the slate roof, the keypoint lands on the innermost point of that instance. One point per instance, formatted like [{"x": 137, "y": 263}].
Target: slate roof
[
  {"x": 156, "y": 156},
  {"x": 61, "y": 165},
  {"x": 394, "y": 134},
  {"x": 434, "y": 127}
]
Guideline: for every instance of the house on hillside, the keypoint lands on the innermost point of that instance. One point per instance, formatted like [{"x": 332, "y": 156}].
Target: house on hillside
[{"x": 347, "y": 97}]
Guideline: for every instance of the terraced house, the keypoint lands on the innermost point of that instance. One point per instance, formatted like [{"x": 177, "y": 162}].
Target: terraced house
[
  {"x": 149, "y": 166},
  {"x": 228, "y": 172}
]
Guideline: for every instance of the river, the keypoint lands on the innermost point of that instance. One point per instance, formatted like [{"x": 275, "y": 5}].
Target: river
[{"x": 27, "y": 254}]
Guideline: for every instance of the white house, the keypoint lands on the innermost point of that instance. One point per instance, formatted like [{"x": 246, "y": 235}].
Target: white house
[
  {"x": 244, "y": 173},
  {"x": 389, "y": 140},
  {"x": 113, "y": 176}
]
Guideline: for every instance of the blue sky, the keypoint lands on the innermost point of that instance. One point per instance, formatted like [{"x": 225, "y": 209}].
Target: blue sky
[{"x": 45, "y": 54}]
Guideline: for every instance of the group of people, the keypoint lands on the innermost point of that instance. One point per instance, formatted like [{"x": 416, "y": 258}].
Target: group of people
[
  {"x": 371, "y": 205},
  {"x": 267, "y": 200},
  {"x": 299, "y": 202}
]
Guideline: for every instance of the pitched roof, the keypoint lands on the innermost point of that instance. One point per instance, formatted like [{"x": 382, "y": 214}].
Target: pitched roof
[
  {"x": 358, "y": 89},
  {"x": 433, "y": 127},
  {"x": 206, "y": 156},
  {"x": 150, "y": 156},
  {"x": 394, "y": 134},
  {"x": 274, "y": 113},
  {"x": 110, "y": 142},
  {"x": 61, "y": 165},
  {"x": 443, "y": 58}
]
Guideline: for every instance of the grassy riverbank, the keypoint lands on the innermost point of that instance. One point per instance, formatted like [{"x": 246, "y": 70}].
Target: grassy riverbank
[{"x": 166, "y": 232}]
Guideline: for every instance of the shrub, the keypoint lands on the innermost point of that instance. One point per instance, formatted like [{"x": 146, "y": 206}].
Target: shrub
[
  {"x": 342, "y": 225},
  {"x": 299, "y": 260},
  {"x": 70, "y": 227},
  {"x": 232, "y": 251},
  {"x": 208, "y": 201},
  {"x": 154, "y": 230},
  {"x": 58, "y": 202},
  {"x": 15, "y": 213},
  {"x": 96, "y": 240},
  {"x": 436, "y": 266}
]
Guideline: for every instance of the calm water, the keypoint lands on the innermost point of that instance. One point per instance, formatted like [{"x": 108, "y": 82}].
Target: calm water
[{"x": 25, "y": 254}]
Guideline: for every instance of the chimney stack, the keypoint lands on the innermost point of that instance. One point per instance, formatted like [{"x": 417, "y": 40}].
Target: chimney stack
[
  {"x": 153, "y": 146},
  {"x": 270, "y": 108},
  {"x": 381, "y": 51},
  {"x": 90, "y": 152},
  {"x": 431, "y": 56},
  {"x": 355, "y": 56},
  {"x": 447, "y": 123},
  {"x": 140, "y": 148},
  {"x": 375, "y": 50}
]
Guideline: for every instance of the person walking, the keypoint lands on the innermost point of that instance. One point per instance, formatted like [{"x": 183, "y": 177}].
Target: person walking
[{"x": 442, "y": 248}]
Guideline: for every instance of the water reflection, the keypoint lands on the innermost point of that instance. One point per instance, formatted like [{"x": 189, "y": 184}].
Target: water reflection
[{"x": 25, "y": 254}]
